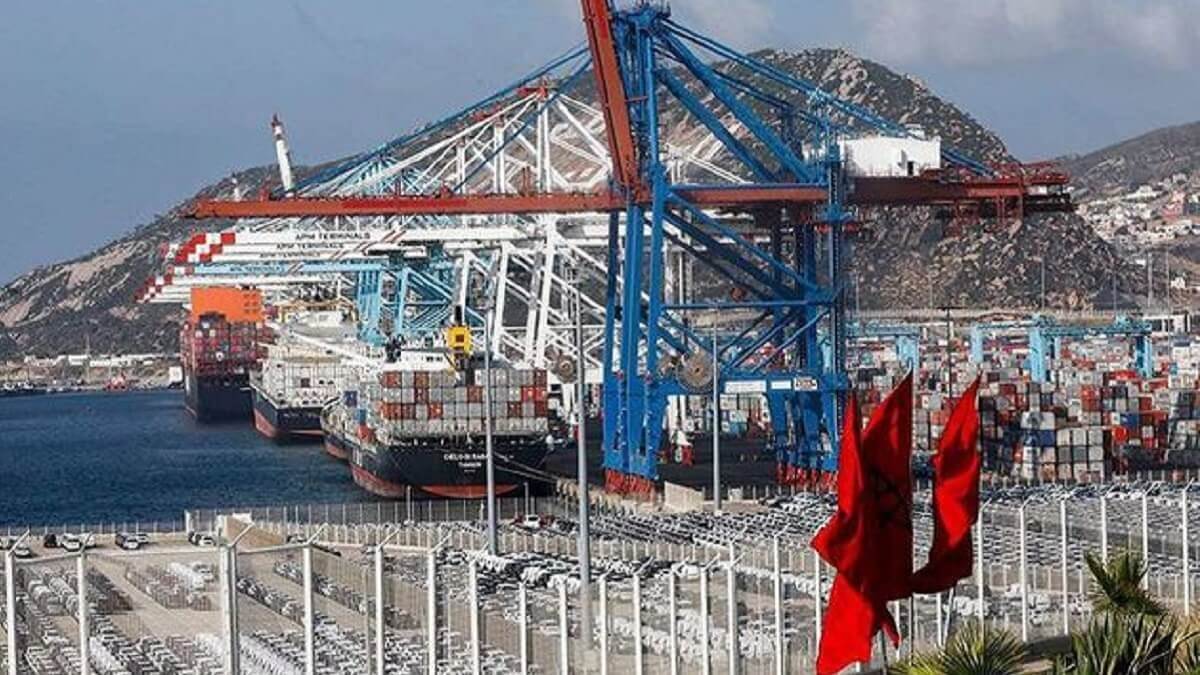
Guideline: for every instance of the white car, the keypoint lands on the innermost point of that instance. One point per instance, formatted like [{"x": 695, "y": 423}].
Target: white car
[
  {"x": 73, "y": 543},
  {"x": 531, "y": 521}
]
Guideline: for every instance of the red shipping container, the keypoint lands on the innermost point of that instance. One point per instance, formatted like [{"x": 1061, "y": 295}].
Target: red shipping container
[
  {"x": 474, "y": 393},
  {"x": 421, "y": 379},
  {"x": 540, "y": 408},
  {"x": 408, "y": 411},
  {"x": 436, "y": 411},
  {"x": 514, "y": 409},
  {"x": 527, "y": 395},
  {"x": 539, "y": 393}
]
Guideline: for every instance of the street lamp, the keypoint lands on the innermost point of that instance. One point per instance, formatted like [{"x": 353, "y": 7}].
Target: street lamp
[
  {"x": 584, "y": 545},
  {"x": 487, "y": 429},
  {"x": 716, "y": 418}
]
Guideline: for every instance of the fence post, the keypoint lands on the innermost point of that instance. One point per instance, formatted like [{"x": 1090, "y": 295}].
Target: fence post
[
  {"x": 473, "y": 602},
  {"x": 310, "y": 627},
  {"x": 380, "y": 656},
  {"x": 431, "y": 610},
  {"x": 706, "y": 646},
  {"x": 523, "y": 623},
  {"x": 10, "y": 612},
  {"x": 673, "y": 628},
  {"x": 227, "y": 565},
  {"x": 564, "y": 638},
  {"x": 1024, "y": 583},
  {"x": 817, "y": 609},
  {"x": 1065, "y": 572},
  {"x": 981, "y": 606},
  {"x": 1146, "y": 538},
  {"x": 638, "y": 647},
  {"x": 777, "y": 574},
  {"x": 1187, "y": 556},
  {"x": 604, "y": 624},
  {"x": 938, "y": 613},
  {"x": 731, "y": 610},
  {"x": 81, "y": 590},
  {"x": 1104, "y": 527}
]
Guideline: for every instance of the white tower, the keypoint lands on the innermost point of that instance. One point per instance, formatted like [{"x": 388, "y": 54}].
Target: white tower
[{"x": 283, "y": 155}]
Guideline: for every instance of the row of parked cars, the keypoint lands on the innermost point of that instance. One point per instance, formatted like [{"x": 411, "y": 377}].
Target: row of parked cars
[{"x": 72, "y": 543}]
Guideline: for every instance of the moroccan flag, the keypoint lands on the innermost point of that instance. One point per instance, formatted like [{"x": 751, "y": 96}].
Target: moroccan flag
[
  {"x": 955, "y": 499},
  {"x": 847, "y": 543},
  {"x": 887, "y": 460}
]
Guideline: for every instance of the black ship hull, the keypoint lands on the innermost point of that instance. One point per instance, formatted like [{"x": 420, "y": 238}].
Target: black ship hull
[
  {"x": 22, "y": 392},
  {"x": 286, "y": 424},
  {"x": 336, "y": 445},
  {"x": 444, "y": 467},
  {"x": 218, "y": 398}
]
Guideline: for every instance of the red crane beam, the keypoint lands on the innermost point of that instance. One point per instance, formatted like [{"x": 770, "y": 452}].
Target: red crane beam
[
  {"x": 919, "y": 191},
  {"x": 597, "y": 18}
]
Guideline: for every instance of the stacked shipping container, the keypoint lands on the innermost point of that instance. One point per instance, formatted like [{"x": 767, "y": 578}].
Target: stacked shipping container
[{"x": 398, "y": 404}]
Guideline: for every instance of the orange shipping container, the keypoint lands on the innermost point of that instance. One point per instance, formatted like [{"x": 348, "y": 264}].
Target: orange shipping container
[{"x": 235, "y": 304}]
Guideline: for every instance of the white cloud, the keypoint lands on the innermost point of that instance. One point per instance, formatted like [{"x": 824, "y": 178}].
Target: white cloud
[{"x": 958, "y": 32}]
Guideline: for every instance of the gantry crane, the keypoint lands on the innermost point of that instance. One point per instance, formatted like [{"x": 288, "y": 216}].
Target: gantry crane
[
  {"x": 1046, "y": 337},
  {"x": 797, "y": 191}
]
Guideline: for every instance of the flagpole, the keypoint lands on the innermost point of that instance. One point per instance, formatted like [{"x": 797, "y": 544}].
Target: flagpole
[{"x": 912, "y": 553}]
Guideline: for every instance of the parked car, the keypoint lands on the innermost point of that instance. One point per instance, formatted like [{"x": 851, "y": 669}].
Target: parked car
[
  {"x": 126, "y": 541},
  {"x": 73, "y": 543},
  {"x": 201, "y": 539},
  {"x": 532, "y": 521}
]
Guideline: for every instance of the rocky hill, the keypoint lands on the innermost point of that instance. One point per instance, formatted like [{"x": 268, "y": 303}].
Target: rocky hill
[
  {"x": 1149, "y": 158},
  {"x": 54, "y": 308}
]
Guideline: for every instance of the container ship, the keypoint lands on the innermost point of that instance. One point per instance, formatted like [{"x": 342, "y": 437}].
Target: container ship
[
  {"x": 220, "y": 346},
  {"x": 306, "y": 368},
  {"x": 405, "y": 429},
  {"x": 294, "y": 385}
]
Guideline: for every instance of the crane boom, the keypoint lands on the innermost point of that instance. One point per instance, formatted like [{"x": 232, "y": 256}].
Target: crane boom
[{"x": 610, "y": 87}]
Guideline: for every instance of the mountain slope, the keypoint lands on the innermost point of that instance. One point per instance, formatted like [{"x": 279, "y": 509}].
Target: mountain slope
[
  {"x": 1151, "y": 157},
  {"x": 59, "y": 308}
]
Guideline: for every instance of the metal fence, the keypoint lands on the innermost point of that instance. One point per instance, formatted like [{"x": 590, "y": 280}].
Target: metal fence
[{"x": 373, "y": 591}]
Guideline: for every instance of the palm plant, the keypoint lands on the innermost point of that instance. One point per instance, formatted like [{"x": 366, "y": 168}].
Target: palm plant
[
  {"x": 1120, "y": 644},
  {"x": 975, "y": 649},
  {"x": 1119, "y": 586}
]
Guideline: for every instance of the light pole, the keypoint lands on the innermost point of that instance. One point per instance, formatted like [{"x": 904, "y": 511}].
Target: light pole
[
  {"x": 487, "y": 430},
  {"x": 585, "y": 555},
  {"x": 716, "y": 419}
]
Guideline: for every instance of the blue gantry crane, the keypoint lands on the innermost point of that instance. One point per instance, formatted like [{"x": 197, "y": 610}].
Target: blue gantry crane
[{"x": 1046, "y": 338}]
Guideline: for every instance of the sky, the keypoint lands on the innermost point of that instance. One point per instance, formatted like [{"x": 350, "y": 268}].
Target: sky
[{"x": 112, "y": 112}]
